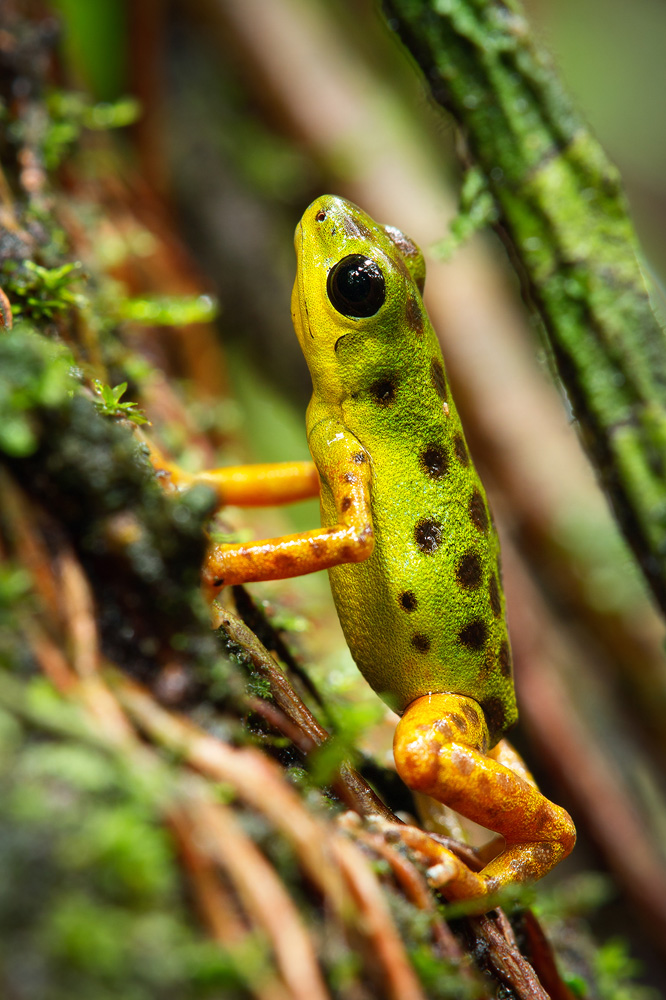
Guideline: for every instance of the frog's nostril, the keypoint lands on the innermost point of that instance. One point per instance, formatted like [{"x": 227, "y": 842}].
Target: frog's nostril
[{"x": 320, "y": 216}]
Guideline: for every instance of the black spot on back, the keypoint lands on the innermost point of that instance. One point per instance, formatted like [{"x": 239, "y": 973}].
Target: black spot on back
[
  {"x": 346, "y": 504},
  {"x": 413, "y": 317},
  {"x": 383, "y": 391},
  {"x": 437, "y": 378},
  {"x": 434, "y": 461},
  {"x": 475, "y": 634},
  {"x": 420, "y": 642},
  {"x": 504, "y": 658},
  {"x": 408, "y": 600},
  {"x": 428, "y": 534},
  {"x": 477, "y": 511},
  {"x": 469, "y": 571},
  {"x": 358, "y": 458},
  {"x": 494, "y": 594},
  {"x": 460, "y": 449}
]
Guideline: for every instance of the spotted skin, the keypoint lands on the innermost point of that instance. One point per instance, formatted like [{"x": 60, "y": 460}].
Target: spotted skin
[
  {"x": 413, "y": 316},
  {"x": 438, "y": 378},
  {"x": 410, "y": 545},
  {"x": 424, "y": 614},
  {"x": 408, "y": 600},
  {"x": 469, "y": 571},
  {"x": 477, "y": 510},
  {"x": 442, "y": 747},
  {"x": 434, "y": 461},
  {"x": 460, "y": 449},
  {"x": 494, "y": 595},
  {"x": 384, "y": 379}
]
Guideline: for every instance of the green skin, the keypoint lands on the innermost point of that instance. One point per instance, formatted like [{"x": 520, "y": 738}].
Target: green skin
[{"x": 425, "y": 612}]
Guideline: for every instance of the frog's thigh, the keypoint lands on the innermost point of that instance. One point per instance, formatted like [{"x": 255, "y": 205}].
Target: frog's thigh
[
  {"x": 349, "y": 540},
  {"x": 505, "y": 754},
  {"x": 439, "y": 750}
]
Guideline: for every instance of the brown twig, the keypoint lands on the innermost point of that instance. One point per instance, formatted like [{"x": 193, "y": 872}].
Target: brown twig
[
  {"x": 258, "y": 782},
  {"x": 27, "y": 544},
  {"x": 542, "y": 959},
  {"x": 255, "y": 779},
  {"x": 352, "y": 788},
  {"x": 263, "y": 896},
  {"x": 218, "y": 910},
  {"x": 504, "y": 959},
  {"x": 51, "y": 660},
  {"x": 256, "y": 620},
  {"x": 400, "y": 981}
]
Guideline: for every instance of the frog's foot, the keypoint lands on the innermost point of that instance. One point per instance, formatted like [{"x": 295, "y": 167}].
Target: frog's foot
[
  {"x": 440, "y": 750},
  {"x": 444, "y": 866}
]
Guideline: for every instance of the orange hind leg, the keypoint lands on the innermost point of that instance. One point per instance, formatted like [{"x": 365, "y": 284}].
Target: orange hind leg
[{"x": 440, "y": 750}]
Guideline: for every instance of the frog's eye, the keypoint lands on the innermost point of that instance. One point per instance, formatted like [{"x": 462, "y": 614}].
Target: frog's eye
[{"x": 356, "y": 286}]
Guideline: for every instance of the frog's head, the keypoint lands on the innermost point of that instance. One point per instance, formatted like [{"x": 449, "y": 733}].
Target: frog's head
[{"x": 358, "y": 286}]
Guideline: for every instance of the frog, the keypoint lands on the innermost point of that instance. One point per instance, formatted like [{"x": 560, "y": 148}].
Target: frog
[{"x": 406, "y": 535}]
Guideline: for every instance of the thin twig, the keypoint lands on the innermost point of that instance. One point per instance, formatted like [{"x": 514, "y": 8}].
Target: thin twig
[
  {"x": 400, "y": 980},
  {"x": 506, "y": 961},
  {"x": 352, "y": 788},
  {"x": 219, "y": 913},
  {"x": 263, "y": 896},
  {"x": 255, "y": 779}
]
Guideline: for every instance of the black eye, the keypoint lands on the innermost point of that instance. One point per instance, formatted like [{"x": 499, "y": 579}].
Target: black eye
[{"x": 356, "y": 286}]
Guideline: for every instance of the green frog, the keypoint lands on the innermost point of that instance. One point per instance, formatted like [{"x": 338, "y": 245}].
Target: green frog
[{"x": 406, "y": 535}]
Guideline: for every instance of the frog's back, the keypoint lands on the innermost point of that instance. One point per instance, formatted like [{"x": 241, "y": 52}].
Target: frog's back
[{"x": 426, "y": 612}]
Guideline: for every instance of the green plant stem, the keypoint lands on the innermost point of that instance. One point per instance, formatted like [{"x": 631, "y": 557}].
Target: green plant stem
[{"x": 563, "y": 217}]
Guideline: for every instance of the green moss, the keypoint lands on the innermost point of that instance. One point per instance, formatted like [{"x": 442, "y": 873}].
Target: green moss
[
  {"x": 141, "y": 549},
  {"x": 68, "y": 113},
  {"x": 443, "y": 980},
  {"x": 91, "y": 898},
  {"x": 477, "y": 209},
  {"x": 41, "y": 293},
  {"x": 34, "y": 373},
  {"x": 562, "y": 212},
  {"x": 616, "y": 971}
]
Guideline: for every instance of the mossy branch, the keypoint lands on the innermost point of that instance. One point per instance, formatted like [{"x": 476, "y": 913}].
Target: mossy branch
[{"x": 563, "y": 217}]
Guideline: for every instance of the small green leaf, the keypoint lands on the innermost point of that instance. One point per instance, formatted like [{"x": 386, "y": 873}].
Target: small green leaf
[
  {"x": 109, "y": 405},
  {"x": 176, "y": 310}
]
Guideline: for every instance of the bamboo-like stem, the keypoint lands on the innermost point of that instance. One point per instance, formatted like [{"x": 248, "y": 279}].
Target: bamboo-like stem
[{"x": 563, "y": 217}]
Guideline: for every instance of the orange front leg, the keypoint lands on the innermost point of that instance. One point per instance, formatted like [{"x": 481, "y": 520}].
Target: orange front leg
[
  {"x": 264, "y": 485},
  {"x": 346, "y": 468},
  {"x": 348, "y": 472},
  {"x": 440, "y": 749}
]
